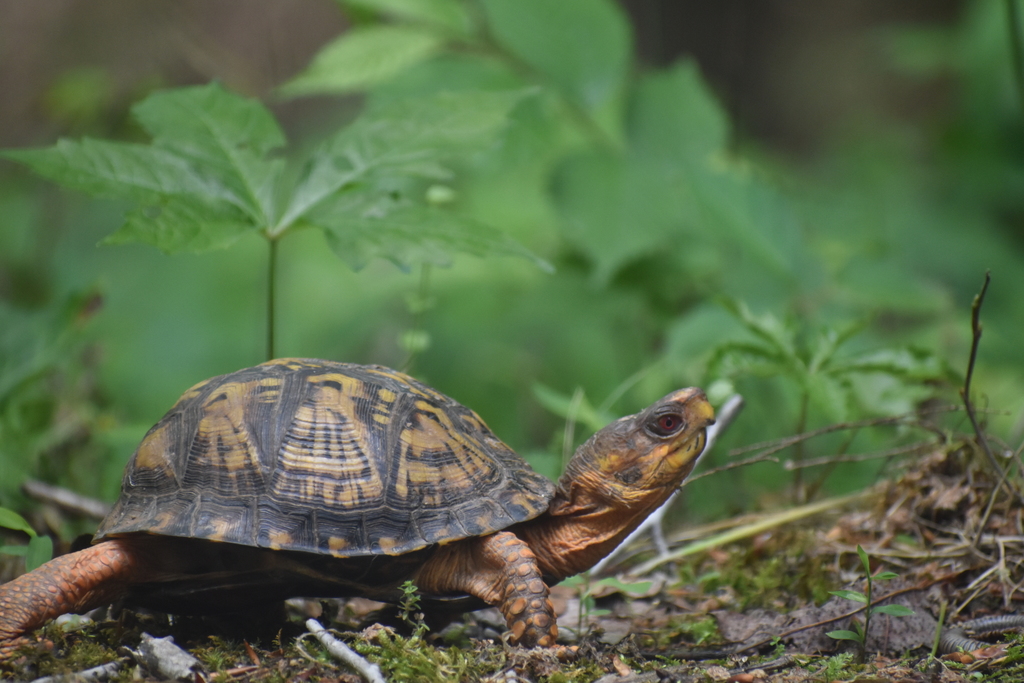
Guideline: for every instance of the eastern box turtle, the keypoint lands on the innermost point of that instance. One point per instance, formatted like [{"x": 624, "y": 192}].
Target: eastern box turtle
[{"x": 314, "y": 478}]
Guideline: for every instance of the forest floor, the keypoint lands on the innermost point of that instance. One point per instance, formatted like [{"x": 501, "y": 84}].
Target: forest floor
[{"x": 757, "y": 608}]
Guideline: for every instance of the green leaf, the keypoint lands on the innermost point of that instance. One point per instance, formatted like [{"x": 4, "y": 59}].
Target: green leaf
[
  {"x": 732, "y": 359},
  {"x": 864, "y": 559},
  {"x": 850, "y": 595},
  {"x": 222, "y": 133},
  {"x": 40, "y": 551},
  {"x": 910, "y": 364},
  {"x": 676, "y": 118},
  {"x": 779, "y": 336},
  {"x": 562, "y": 406},
  {"x": 9, "y": 519},
  {"x": 830, "y": 395},
  {"x": 844, "y": 635},
  {"x": 364, "y": 57},
  {"x": 582, "y": 46},
  {"x": 603, "y": 198},
  {"x": 828, "y": 343},
  {"x": 362, "y": 228},
  {"x": 176, "y": 226},
  {"x": 885, "y": 576},
  {"x": 409, "y": 136},
  {"x": 633, "y": 588},
  {"x": 407, "y": 132},
  {"x": 117, "y": 169},
  {"x": 18, "y": 550},
  {"x": 893, "y": 610},
  {"x": 447, "y": 14}
]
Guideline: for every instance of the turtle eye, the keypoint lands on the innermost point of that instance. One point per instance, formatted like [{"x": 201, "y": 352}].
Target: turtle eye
[{"x": 667, "y": 424}]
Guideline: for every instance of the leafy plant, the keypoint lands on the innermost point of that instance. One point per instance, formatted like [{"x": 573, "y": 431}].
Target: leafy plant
[
  {"x": 859, "y": 634},
  {"x": 587, "y": 590},
  {"x": 213, "y": 172},
  {"x": 826, "y": 377},
  {"x": 39, "y": 549},
  {"x": 408, "y": 608},
  {"x": 49, "y": 410},
  {"x": 835, "y": 666}
]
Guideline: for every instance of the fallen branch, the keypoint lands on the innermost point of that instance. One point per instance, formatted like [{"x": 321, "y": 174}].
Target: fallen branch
[
  {"x": 340, "y": 650},
  {"x": 69, "y": 501}
]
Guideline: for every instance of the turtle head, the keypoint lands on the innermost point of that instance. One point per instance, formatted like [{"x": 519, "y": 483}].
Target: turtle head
[{"x": 638, "y": 460}]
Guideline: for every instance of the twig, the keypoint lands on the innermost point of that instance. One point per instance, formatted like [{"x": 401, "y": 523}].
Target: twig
[
  {"x": 782, "y": 444},
  {"x": 860, "y": 457},
  {"x": 67, "y": 500},
  {"x": 340, "y": 650},
  {"x": 733, "y": 466},
  {"x": 965, "y": 394},
  {"x": 832, "y": 620}
]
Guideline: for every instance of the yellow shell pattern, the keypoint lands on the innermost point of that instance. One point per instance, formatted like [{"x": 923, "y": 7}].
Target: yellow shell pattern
[{"x": 323, "y": 457}]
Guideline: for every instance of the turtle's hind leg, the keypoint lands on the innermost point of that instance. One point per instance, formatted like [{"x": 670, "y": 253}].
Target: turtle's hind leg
[{"x": 76, "y": 582}]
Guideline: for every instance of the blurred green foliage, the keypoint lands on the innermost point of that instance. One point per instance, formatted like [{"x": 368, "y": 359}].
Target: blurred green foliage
[
  {"x": 39, "y": 548},
  {"x": 630, "y": 181}
]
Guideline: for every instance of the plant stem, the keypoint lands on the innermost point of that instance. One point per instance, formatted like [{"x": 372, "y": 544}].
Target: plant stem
[
  {"x": 938, "y": 629},
  {"x": 867, "y": 616},
  {"x": 1016, "y": 46},
  {"x": 271, "y": 295},
  {"x": 799, "y": 494}
]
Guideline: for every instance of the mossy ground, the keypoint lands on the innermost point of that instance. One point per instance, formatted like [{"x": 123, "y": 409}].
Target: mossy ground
[{"x": 672, "y": 628}]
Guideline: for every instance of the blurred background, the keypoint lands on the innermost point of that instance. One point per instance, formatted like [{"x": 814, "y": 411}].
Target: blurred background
[{"x": 790, "y": 199}]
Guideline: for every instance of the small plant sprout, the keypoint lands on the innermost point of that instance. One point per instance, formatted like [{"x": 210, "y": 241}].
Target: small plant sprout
[
  {"x": 39, "y": 549},
  {"x": 408, "y": 608},
  {"x": 859, "y": 634}
]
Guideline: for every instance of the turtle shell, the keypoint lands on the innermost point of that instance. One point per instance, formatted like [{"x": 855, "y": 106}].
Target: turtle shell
[{"x": 321, "y": 457}]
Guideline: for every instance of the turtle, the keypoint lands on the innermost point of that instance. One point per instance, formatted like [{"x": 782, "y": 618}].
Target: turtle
[{"x": 306, "y": 477}]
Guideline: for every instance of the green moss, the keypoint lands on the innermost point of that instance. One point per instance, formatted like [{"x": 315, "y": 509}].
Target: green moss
[
  {"x": 220, "y": 655},
  {"x": 781, "y": 574},
  {"x": 414, "y": 660}
]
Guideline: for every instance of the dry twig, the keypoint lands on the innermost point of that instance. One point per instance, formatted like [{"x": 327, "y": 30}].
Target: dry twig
[
  {"x": 340, "y": 650},
  {"x": 69, "y": 501},
  {"x": 965, "y": 394}
]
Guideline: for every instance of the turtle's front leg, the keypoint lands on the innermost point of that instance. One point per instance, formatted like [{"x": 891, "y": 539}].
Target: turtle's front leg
[
  {"x": 501, "y": 570},
  {"x": 76, "y": 582}
]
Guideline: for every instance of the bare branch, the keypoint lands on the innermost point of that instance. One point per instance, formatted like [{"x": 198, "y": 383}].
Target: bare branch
[
  {"x": 859, "y": 457},
  {"x": 340, "y": 650},
  {"x": 67, "y": 500}
]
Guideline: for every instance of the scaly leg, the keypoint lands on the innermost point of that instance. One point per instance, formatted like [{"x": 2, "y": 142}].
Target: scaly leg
[
  {"x": 501, "y": 570},
  {"x": 77, "y": 582}
]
